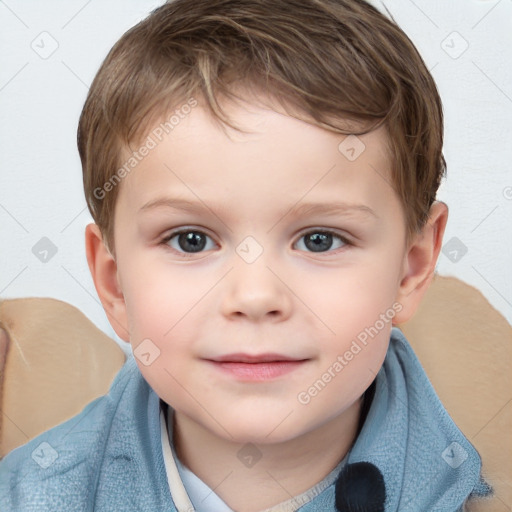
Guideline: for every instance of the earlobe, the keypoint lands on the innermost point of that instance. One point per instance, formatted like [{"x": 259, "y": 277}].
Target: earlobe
[
  {"x": 420, "y": 262},
  {"x": 103, "y": 268}
]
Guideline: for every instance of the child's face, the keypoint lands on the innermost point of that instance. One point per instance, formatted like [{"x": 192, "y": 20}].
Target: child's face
[{"x": 255, "y": 335}]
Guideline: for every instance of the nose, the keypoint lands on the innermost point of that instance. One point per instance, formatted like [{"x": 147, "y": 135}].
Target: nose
[{"x": 254, "y": 292}]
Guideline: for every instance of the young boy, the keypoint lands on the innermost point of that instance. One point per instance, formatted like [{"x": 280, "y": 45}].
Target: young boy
[{"x": 262, "y": 175}]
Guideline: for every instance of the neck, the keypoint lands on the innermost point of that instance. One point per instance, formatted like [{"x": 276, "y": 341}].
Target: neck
[{"x": 284, "y": 469}]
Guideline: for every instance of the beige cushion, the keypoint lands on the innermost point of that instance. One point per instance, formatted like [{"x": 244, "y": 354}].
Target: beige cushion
[
  {"x": 57, "y": 362},
  {"x": 465, "y": 346}
]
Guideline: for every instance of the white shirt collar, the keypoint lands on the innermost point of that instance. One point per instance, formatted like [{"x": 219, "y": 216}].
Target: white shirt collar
[{"x": 178, "y": 492}]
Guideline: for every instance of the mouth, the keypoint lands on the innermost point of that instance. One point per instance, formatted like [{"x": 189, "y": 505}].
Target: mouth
[{"x": 260, "y": 367}]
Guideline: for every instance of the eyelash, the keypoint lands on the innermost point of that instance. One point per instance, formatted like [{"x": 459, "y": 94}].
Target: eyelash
[{"x": 345, "y": 241}]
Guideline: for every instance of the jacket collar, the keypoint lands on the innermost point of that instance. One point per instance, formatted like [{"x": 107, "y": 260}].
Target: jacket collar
[{"x": 425, "y": 460}]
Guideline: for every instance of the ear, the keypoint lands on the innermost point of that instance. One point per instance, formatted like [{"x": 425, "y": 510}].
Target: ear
[
  {"x": 103, "y": 270},
  {"x": 420, "y": 262}
]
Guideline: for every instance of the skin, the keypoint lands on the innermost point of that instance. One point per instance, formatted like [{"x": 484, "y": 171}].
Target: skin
[
  {"x": 302, "y": 304},
  {"x": 4, "y": 347}
]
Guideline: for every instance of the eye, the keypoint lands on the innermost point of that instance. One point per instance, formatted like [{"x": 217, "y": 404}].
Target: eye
[
  {"x": 320, "y": 241},
  {"x": 189, "y": 241}
]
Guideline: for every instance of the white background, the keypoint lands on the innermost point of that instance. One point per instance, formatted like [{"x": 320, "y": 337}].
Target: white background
[{"x": 41, "y": 191}]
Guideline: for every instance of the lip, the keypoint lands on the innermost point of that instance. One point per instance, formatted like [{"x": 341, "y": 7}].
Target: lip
[
  {"x": 253, "y": 358},
  {"x": 256, "y": 368}
]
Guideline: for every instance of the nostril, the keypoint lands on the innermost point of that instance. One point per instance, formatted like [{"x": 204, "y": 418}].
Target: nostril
[{"x": 273, "y": 313}]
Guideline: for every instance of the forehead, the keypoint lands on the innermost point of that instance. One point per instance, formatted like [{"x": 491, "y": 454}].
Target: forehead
[{"x": 280, "y": 159}]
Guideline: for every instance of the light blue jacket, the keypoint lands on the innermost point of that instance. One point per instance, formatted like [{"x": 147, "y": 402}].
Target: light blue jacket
[{"x": 109, "y": 457}]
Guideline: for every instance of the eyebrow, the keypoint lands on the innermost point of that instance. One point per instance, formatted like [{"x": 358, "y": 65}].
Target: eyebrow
[
  {"x": 298, "y": 210},
  {"x": 175, "y": 203},
  {"x": 331, "y": 209}
]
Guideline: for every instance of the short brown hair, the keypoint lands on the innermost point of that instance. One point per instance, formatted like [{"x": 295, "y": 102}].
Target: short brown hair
[{"x": 340, "y": 64}]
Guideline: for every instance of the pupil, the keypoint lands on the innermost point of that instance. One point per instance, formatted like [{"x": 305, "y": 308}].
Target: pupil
[
  {"x": 318, "y": 242},
  {"x": 192, "y": 241}
]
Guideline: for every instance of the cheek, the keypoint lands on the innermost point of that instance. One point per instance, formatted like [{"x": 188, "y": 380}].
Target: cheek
[
  {"x": 356, "y": 307},
  {"x": 350, "y": 363},
  {"x": 349, "y": 300},
  {"x": 160, "y": 298}
]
